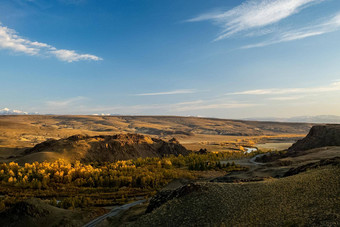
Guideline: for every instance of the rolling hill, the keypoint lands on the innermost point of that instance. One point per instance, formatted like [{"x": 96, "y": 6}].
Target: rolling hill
[{"x": 105, "y": 148}]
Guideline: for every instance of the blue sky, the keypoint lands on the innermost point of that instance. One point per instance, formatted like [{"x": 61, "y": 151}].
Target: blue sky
[{"x": 228, "y": 59}]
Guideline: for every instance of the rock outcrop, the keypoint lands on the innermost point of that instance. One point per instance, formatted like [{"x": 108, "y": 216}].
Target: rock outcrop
[
  {"x": 110, "y": 148},
  {"x": 325, "y": 162},
  {"x": 318, "y": 136}
]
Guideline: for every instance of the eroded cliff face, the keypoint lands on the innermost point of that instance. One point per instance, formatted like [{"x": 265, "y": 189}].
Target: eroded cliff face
[
  {"x": 110, "y": 148},
  {"x": 318, "y": 136}
]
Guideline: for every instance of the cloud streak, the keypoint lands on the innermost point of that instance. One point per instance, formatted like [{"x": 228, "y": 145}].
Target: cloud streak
[
  {"x": 253, "y": 14},
  {"x": 331, "y": 25},
  {"x": 175, "y": 92},
  {"x": 285, "y": 98},
  {"x": 335, "y": 86},
  {"x": 11, "y": 41}
]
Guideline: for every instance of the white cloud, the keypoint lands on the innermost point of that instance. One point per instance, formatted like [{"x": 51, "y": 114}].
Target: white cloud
[
  {"x": 253, "y": 14},
  {"x": 335, "y": 86},
  {"x": 331, "y": 25},
  {"x": 175, "y": 92},
  {"x": 11, "y": 41},
  {"x": 71, "y": 55}
]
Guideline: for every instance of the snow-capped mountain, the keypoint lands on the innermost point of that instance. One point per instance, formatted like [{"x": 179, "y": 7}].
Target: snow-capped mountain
[
  {"x": 7, "y": 111},
  {"x": 105, "y": 114}
]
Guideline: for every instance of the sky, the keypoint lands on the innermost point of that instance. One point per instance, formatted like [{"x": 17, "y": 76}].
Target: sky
[{"x": 218, "y": 58}]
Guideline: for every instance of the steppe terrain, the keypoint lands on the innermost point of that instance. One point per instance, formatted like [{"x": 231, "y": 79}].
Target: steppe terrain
[
  {"x": 20, "y": 132},
  {"x": 167, "y": 171}
]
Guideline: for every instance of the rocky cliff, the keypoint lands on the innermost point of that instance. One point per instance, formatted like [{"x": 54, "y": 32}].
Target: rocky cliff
[{"x": 318, "y": 136}]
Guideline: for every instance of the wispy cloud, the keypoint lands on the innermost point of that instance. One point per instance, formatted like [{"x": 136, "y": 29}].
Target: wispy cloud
[
  {"x": 335, "y": 86},
  {"x": 253, "y": 14},
  {"x": 11, "y": 41},
  {"x": 175, "y": 92},
  {"x": 65, "y": 102},
  {"x": 71, "y": 55},
  {"x": 333, "y": 24},
  {"x": 285, "y": 98}
]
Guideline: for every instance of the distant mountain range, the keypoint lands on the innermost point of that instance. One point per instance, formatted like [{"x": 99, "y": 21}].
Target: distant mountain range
[
  {"x": 330, "y": 119},
  {"x": 7, "y": 111}
]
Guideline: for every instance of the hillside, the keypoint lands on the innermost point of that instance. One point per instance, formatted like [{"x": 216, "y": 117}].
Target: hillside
[
  {"x": 306, "y": 199},
  {"x": 106, "y": 148},
  {"x": 34, "y": 212}
]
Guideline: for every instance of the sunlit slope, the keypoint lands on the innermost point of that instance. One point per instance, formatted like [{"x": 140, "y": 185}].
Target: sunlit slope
[{"x": 102, "y": 148}]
